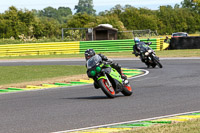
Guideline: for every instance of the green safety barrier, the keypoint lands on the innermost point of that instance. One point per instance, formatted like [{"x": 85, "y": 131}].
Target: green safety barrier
[
  {"x": 39, "y": 49},
  {"x": 75, "y": 47},
  {"x": 115, "y": 45}
]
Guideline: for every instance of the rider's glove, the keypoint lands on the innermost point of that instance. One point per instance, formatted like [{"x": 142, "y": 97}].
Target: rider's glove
[{"x": 110, "y": 60}]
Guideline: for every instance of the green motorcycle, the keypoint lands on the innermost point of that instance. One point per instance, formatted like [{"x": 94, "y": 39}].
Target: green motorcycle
[{"x": 106, "y": 77}]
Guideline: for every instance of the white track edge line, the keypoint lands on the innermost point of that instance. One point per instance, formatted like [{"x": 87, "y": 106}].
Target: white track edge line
[{"x": 125, "y": 122}]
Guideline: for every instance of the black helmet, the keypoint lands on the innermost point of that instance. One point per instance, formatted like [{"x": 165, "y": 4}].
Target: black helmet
[{"x": 89, "y": 53}]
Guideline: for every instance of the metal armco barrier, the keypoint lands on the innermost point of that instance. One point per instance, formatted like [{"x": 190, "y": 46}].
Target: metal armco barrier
[{"x": 55, "y": 48}]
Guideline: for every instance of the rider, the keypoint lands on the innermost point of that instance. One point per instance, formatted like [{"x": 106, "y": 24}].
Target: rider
[
  {"x": 136, "y": 49},
  {"x": 90, "y": 52}
]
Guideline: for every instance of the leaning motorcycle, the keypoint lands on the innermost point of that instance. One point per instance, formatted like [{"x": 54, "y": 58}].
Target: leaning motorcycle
[
  {"x": 106, "y": 77},
  {"x": 149, "y": 56}
]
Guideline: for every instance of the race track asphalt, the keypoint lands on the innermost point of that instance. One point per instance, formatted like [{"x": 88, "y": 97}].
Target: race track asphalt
[{"x": 173, "y": 89}]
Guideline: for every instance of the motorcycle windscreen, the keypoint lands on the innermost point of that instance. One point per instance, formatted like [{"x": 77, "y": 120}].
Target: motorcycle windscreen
[
  {"x": 93, "y": 61},
  {"x": 143, "y": 48}
]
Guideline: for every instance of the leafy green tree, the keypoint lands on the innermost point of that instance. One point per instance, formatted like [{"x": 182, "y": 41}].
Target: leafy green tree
[
  {"x": 23, "y": 23},
  {"x": 165, "y": 14},
  {"x": 49, "y": 12},
  {"x": 73, "y": 35},
  {"x": 178, "y": 19},
  {"x": 16, "y": 22},
  {"x": 48, "y": 22},
  {"x": 64, "y": 11},
  {"x": 64, "y": 14},
  {"x": 133, "y": 19},
  {"x": 3, "y": 27},
  {"x": 80, "y": 20},
  {"x": 61, "y": 14},
  {"x": 193, "y": 5},
  {"x": 46, "y": 27},
  {"x": 85, "y": 6},
  {"x": 117, "y": 9},
  {"x": 176, "y": 6}
]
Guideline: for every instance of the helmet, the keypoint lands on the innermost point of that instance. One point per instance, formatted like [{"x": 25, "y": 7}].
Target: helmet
[
  {"x": 136, "y": 40},
  {"x": 89, "y": 53}
]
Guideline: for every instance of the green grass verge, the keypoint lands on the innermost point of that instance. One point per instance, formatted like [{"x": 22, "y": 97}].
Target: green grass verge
[
  {"x": 192, "y": 126},
  {"x": 19, "y": 74},
  {"x": 46, "y": 56},
  {"x": 164, "y": 53},
  {"x": 179, "y": 53}
]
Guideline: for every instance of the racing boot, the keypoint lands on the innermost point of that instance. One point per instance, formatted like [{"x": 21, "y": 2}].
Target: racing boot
[
  {"x": 96, "y": 86},
  {"x": 124, "y": 78}
]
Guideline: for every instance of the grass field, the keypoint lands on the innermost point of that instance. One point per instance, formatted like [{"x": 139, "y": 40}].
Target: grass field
[
  {"x": 164, "y": 53},
  {"x": 179, "y": 53},
  {"x": 18, "y": 74},
  {"x": 191, "y": 126}
]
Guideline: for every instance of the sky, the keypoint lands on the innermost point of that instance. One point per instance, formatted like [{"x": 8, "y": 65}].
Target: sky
[{"x": 99, "y": 5}]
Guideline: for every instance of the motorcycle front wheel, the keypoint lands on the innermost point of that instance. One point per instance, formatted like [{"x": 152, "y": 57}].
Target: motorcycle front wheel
[
  {"x": 157, "y": 62},
  {"x": 127, "y": 91},
  {"x": 108, "y": 90}
]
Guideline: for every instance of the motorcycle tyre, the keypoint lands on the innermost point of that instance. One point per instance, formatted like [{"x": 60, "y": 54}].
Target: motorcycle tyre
[
  {"x": 158, "y": 63},
  {"x": 105, "y": 89},
  {"x": 127, "y": 91},
  {"x": 153, "y": 65},
  {"x": 147, "y": 64}
]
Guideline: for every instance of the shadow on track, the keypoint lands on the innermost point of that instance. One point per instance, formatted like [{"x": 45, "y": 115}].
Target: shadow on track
[
  {"x": 146, "y": 68},
  {"x": 93, "y": 97}
]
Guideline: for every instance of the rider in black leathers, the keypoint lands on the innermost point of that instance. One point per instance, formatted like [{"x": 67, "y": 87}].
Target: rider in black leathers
[
  {"x": 136, "y": 49},
  {"x": 90, "y": 52}
]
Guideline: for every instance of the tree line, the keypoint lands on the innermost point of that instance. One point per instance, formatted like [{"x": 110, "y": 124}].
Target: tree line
[{"x": 47, "y": 23}]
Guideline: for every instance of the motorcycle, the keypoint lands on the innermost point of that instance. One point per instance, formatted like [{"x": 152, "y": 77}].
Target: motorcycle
[
  {"x": 106, "y": 77},
  {"x": 149, "y": 55}
]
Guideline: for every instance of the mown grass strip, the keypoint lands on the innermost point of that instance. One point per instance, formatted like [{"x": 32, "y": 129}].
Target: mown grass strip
[
  {"x": 15, "y": 89},
  {"x": 6, "y": 90},
  {"x": 164, "y": 53},
  {"x": 18, "y": 74},
  {"x": 78, "y": 83},
  {"x": 133, "y": 125},
  {"x": 190, "y": 126},
  {"x": 63, "y": 84}
]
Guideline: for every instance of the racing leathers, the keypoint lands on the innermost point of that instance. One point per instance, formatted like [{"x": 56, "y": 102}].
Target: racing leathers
[
  {"x": 113, "y": 65},
  {"x": 136, "y": 50}
]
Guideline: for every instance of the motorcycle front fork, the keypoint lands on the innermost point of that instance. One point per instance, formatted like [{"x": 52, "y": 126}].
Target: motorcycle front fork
[{"x": 110, "y": 85}]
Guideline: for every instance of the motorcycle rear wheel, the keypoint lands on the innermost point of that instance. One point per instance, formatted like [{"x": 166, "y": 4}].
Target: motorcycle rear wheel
[{"x": 109, "y": 91}]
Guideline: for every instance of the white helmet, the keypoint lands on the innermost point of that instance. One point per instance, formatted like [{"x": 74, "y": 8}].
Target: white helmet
[{"x": 136, "y": 40}]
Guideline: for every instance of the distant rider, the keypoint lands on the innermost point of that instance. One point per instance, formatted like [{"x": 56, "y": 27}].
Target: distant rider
[
  {"x": 136, "y": 48},
  {"x": 90, "y": 52}
]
